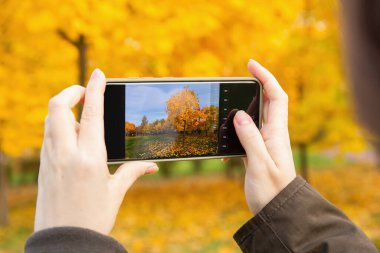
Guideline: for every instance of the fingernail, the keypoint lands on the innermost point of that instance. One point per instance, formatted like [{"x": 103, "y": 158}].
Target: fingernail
[
  {"x": 242, "y": 118},
  {"x": 97, "y": 73},
  {"x": 252, "y": 61},
  {"x": 151, "y": 170}
]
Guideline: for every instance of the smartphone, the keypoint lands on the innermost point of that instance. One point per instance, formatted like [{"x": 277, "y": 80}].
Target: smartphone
[{"x": 160, "y": 119}]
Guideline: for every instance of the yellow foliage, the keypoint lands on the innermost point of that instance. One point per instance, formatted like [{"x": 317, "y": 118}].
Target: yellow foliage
[
  {"x": 174, "y": 38},
  {"x": 183, "y": 110},
  {"x": 192, "y": 215}
]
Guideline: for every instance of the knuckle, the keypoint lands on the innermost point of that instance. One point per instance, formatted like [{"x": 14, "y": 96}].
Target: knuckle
[
  {"x": 46, "y": 126},
  {"x": 55, "y": 102},
  {"x": 46, "y": 121},
  {"x": 252, "y": 137},
  {"x": 77, "y": 86},
  {"x": 89, "y": 112},
  {"x": 88, "y": 161},
  {"x": 285, "y": 97}
]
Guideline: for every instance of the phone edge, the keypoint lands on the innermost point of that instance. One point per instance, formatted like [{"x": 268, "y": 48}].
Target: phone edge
[
  {"x": 176, "y": 159},
  {"x": 173, "y": 79}
]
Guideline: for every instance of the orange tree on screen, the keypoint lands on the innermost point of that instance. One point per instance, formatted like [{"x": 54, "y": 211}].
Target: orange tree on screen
[
  {"x": 130, "y": 128},
  {"x": 183, "y": 110}
]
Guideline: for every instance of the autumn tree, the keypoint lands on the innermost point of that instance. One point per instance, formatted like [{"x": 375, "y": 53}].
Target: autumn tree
[
  {"x": 157, "y": 126},
  {"x": 130, "y": 129},
  {"x": 319, "y": 111},
  {"x": 183, "y": 110},
  {"x": 144, "y": 125},
  {"x": 211, "y": 119},
  {"x": 298, "y": 41}
]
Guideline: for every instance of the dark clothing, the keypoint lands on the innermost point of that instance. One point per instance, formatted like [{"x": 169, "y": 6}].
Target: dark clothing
[
  {"x": 361, "y": 23},
  {"x": 298, "y": 219},
  {"x": 71, "y": 240}
]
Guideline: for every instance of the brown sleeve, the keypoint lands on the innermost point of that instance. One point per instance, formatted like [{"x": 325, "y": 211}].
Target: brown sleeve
[
  {"x": 299, "y": 219},
  {"x": 71, "y": 240}
]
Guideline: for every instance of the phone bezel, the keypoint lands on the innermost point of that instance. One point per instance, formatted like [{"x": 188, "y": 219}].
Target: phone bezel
[{"x": 121, "y": 81}]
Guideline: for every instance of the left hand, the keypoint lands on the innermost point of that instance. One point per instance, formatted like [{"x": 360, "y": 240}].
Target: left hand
[{"x": 75, "y": 187}]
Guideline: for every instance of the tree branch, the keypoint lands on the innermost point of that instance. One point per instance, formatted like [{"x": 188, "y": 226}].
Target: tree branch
[{"x": 65, "y": 37}]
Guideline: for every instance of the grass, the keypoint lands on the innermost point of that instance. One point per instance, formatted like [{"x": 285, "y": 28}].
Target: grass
[
  {"x": 317, "y": 161},
  {"x": 170, "y": 145}
]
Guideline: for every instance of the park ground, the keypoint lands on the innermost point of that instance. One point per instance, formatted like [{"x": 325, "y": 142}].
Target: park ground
[
  {"x": 170, "y": 145},
  {"x": 200, "y": 212}
]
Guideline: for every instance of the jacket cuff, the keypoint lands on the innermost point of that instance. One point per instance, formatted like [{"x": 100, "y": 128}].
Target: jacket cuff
[
  {"x": 269, "y": 210},
  {"x": 71, "y": 240}
]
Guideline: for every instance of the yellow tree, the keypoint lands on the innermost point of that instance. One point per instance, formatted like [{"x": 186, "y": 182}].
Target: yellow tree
[
  {"x": 130, "y": 129},
  {"x": 183, "y": 110},
  {"x": 149, "y": 38},
  {"x": 211, "y": 119},
  {"x": 310, "y": 68},
  {"x": 35, "y": 64}
]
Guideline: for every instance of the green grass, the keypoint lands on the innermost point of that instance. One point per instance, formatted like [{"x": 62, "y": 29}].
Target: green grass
[
  {"x": 320, "y": 161},
  {"x": 317, "y": 161}
]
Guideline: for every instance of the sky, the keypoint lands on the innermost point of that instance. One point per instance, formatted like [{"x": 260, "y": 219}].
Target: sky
[{"x": 149, "y": 99}]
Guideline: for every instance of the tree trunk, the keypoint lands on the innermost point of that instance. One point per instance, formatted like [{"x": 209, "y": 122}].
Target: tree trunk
[
  {"x": 197, "y": 166},
  {"x": 303, "y": 161},
  {"x": 82, "y": 59},
  {"x": 305, "y": 47},
  {"x": 81, "y": 45},
  {"x": 3, "y": 193},
  {"x": 165, "y": 169},
  {"x": 233, "y": 167},
  {"x": 82, "y": 64}
]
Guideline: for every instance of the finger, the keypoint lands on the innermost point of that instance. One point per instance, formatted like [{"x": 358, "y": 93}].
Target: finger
[
  {"x": 60, "y": 122},
  {"x": 270, "y": 84},
  {"x": 265, "y": 107},
  {"x": 129, "y": 172},
  {"x": 250, "y": 138},
  {"x": 91, "y": 123},
  {"x": 277, "y": 108}
]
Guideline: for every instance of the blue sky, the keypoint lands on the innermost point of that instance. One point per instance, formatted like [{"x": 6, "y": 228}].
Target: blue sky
[{"x": 149, "y": 98}]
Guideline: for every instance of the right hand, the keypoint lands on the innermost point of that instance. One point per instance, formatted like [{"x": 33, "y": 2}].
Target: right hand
[{"x": 269, "y": 162}]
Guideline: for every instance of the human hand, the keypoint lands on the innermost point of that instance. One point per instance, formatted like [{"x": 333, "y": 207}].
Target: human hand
[
  {"x": 269, "y": 162},
  {"x": 75, "y": 187}
]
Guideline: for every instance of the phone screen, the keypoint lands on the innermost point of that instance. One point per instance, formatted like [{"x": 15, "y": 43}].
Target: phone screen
[{"x": 165, "y": 120}]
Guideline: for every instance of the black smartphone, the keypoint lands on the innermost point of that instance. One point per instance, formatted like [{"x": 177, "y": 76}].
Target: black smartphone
[{"x": 160, "y": 119}]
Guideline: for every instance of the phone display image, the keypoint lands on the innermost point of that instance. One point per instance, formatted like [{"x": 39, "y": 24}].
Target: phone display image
[
  {"x": 171, "y": 120},
  {"x": 177, "y": 118}
]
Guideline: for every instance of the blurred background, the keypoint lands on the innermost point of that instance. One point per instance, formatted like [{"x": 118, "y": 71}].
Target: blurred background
[{"x": 46, "y": 46}]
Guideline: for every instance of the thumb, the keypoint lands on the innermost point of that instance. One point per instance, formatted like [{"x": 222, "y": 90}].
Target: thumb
[
  {"x": 250, "y": 138},
  {"x": 129, "y": 172}
]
